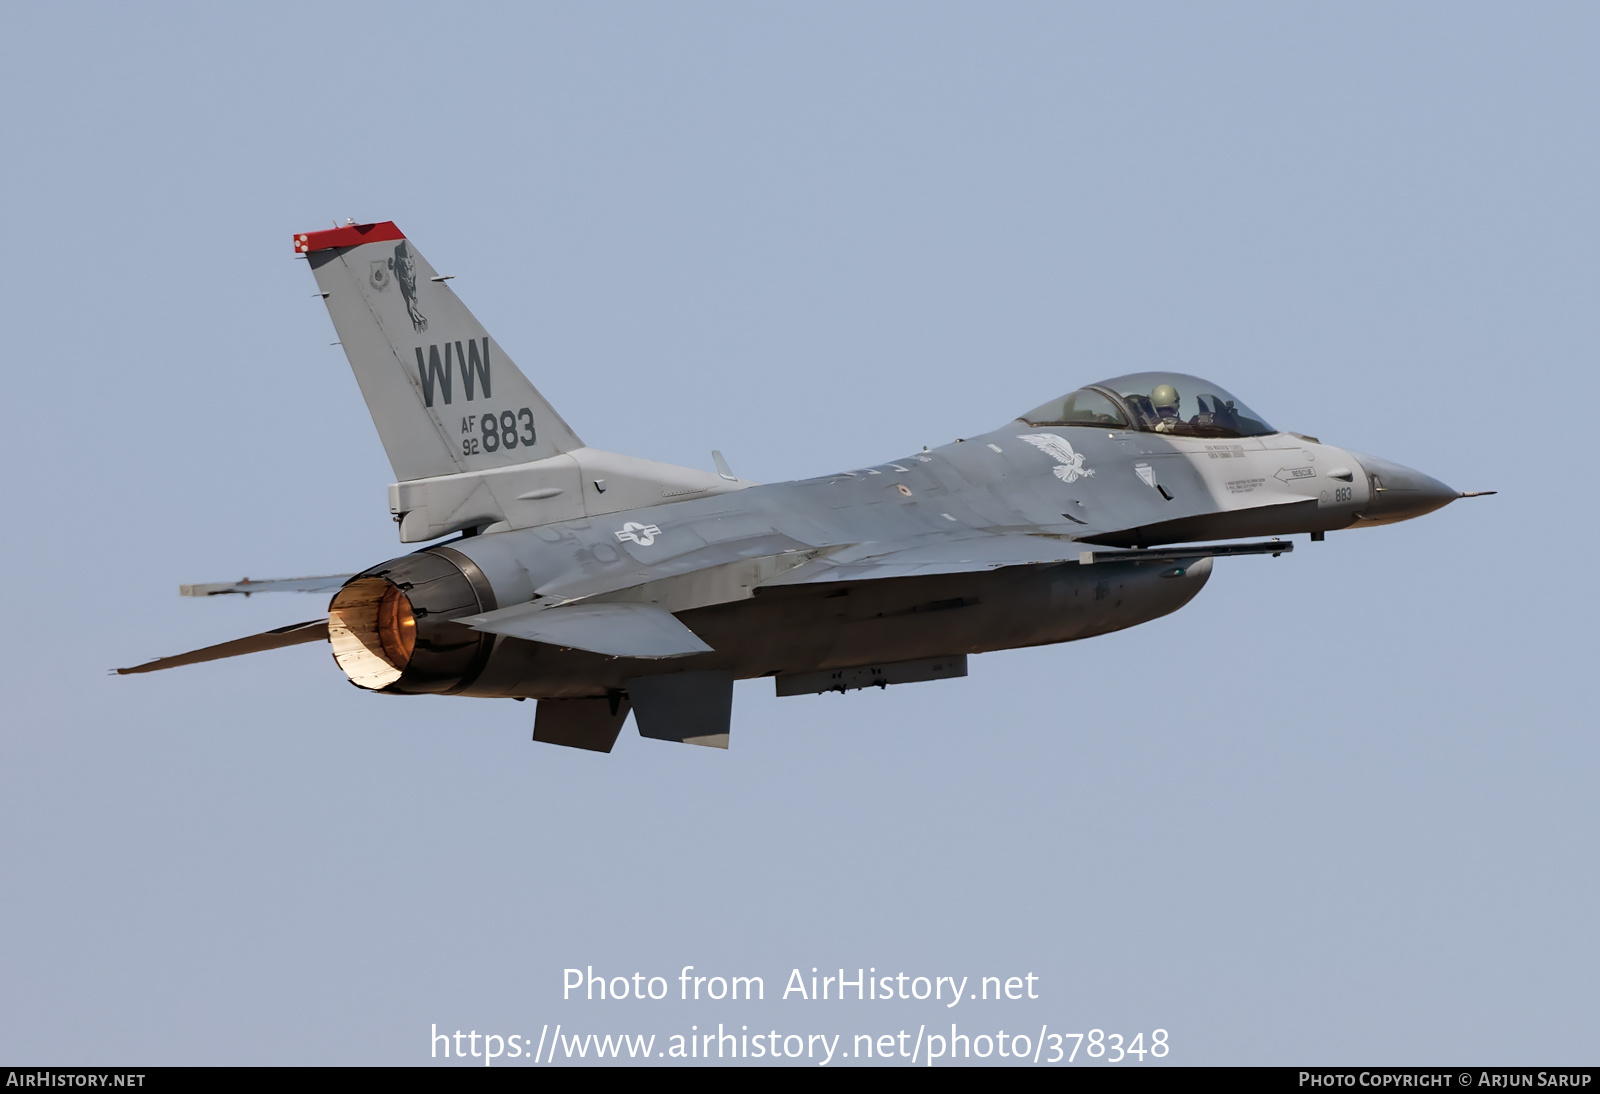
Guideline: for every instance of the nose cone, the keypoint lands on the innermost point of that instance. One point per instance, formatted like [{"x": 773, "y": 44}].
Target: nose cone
[{"x": 1400, "y": 493}]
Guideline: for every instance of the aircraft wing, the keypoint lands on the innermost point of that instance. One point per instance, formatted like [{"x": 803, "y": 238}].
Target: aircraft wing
[
  {"x": 629, "y": 572},
  {"x": 988, "y": 551},
  {"x": 620, "y": 630},
  {"x": 313, "y": 630}
]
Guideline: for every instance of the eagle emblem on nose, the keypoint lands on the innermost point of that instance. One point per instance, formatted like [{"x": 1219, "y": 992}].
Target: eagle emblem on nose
[{"x": 1070, "y": 467}]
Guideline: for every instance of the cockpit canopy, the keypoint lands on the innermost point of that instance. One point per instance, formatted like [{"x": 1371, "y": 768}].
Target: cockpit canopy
[{"x": 1154, "y": 402}]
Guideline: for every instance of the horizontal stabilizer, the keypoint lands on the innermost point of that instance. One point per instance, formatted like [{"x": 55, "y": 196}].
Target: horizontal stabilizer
[
  {"x": 314, "y": 630},
  {"x": 326, "y": 584},
  {"x": 620, "y": 630}
]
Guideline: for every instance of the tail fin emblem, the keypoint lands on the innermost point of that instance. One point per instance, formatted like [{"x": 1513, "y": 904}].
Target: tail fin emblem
[{"x": 405, "y": 272}]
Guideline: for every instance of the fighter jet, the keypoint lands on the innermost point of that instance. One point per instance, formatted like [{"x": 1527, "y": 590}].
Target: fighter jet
[{"x": 601, "y": 584}]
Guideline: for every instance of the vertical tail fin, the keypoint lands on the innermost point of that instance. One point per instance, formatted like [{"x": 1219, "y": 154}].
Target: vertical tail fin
[{"x": 444, "y": 396}]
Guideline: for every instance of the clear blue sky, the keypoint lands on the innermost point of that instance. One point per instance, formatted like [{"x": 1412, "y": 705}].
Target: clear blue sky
[{"x": 1340, "y": 809}]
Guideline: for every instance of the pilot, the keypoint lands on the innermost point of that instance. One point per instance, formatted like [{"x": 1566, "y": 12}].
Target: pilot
[{"x": 1165, "y": 401}]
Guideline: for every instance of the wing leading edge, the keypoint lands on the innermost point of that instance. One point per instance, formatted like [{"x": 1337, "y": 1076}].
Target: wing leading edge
[{"x": 882, "y": 561}]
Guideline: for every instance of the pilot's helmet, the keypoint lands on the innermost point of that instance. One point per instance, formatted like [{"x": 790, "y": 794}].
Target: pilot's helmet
[{"x": 1164, "y": 397}]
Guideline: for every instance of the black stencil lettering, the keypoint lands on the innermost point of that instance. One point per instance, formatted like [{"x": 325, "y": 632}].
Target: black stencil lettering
[
  {"x": 434, "y": 372},
  {"x": 474, "y": 371}
]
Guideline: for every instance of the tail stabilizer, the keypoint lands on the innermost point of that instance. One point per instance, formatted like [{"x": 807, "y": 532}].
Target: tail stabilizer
[
  {"x": 445, "y": 397},
  {"x": 295, "y": 634}
]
